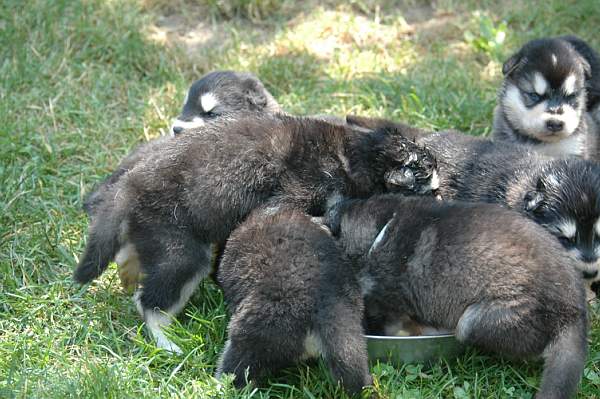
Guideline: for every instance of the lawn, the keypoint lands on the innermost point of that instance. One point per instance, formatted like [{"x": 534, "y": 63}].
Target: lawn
[{"x": 83, "y": 81}]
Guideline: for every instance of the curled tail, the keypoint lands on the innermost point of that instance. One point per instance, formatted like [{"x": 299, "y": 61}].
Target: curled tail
[{"x": 102, "y": 244}]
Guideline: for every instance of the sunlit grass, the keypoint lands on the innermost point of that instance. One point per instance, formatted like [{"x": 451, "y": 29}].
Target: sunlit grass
[{"x": 84, "y": 81}]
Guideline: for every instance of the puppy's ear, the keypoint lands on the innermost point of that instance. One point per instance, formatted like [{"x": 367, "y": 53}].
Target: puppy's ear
[
  {"x": 533, "y": 199},
  {"x": 585, "y": 65},
  {"x": 255, "y": 95},
  {"x": 402, "y": 178},
  {"x": 512, "y": 63}
]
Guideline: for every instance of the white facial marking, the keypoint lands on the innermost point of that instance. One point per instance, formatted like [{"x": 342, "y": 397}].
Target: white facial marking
[
  {"x": 539, "y": 83},
  {"x": 554, "y": 60},
  {"x": 568, "y": 228},
  {"x": 532, "y": 121},
  {"x": 194, "y": 123},
  {"x": 568, "y": 85},
  {"x": 380, "y": 237},
  {"x": 208, "y": 101},
  {"x": 597, "y": 227}
]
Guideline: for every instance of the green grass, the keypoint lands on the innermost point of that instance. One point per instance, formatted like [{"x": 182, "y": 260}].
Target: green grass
[{"x": 84, "y": 81}]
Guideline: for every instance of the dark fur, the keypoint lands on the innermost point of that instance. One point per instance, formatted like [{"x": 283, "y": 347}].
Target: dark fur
[
  {"x": 572, "y": 56},
  {"x": 494, "y": 277},
  {"x": 195, "y": 191},
  {"x": 283, "y": 278},
  {"x": 237, "y": 92},
  {"x": 544, "y": 189}
]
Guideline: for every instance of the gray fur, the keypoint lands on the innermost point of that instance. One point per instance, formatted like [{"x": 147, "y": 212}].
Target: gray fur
[
  {"x": 284, "y": 279},
  {"x": 494, "y": 277}
]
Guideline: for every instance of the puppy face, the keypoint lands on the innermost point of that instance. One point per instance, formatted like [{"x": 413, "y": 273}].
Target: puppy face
[
  {"x": 544, "y": 95},
  {"x": 219, "y": 94},
  {"x": 566, "y": 201}
]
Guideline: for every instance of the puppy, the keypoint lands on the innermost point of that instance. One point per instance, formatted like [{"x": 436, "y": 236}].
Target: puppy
[
  {"x": 543, "y": 100},
  {"x": 509, "y": 289},
  {"x": 219, "y": 95},
  {"x": 193, "y": 193},
  {"x": 561, "y": 195},
  {"x": 223, "y": 93},
  {"x": 291, "y": 297}
]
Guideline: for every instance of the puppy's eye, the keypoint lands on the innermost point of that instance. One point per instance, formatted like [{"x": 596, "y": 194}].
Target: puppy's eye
[
  {"x": 534, "y": 97},
  {"x": 210, "y": 114},
  {"x": 567, "y": 241}
]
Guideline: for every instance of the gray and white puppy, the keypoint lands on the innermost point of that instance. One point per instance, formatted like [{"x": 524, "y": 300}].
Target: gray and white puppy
[
  {"x": 563, "y": 195},
  {"x": 494, "y": 277},
  {"x": 291, "y": 297},
  {"x": 172, "y": 206},
  {"x": 223, "y": 93},
  {"x": 543, "y": 102}
]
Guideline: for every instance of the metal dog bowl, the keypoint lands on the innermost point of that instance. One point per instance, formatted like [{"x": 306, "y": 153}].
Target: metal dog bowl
[{"x": 413, "y": 349}]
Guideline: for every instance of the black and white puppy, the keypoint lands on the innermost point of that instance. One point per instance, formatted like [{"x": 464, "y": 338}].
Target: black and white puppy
[
  {"x": 222, "y": 93},
  {"x": 172, "y": 206},
  {"x": 563, "y": 195},
  {"x": 292, "y": 297},
  {"x": 494, "y": 277},
  {"x": 548, "y": 97}
]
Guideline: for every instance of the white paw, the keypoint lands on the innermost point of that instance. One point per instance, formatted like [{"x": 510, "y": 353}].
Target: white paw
[{"x": 166, "y": 344}]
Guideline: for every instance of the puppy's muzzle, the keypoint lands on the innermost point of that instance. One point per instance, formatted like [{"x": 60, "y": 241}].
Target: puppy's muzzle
[{"x": 554, "y": 125}]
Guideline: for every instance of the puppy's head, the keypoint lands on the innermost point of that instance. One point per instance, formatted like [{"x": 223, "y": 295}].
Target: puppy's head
[
  {"x": 543, "y": 95},
  {"x": 222, "y": 93},
  {"x": 566, "y": 200}
]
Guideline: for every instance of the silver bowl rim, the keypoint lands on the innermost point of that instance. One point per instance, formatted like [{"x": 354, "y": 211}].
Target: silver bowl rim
[{"x": 408, "y": 338}]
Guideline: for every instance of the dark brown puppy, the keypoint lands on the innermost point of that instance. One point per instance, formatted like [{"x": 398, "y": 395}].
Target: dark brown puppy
[
  {"x": 291, "y": 297},
  {"x": 194, "y": 192},
  {"x": 494, "y": 277}
]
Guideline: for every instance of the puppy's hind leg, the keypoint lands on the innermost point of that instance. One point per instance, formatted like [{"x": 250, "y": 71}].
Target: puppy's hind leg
[
  {"x": 263, "y": 337},
  {"x": 174, "y": 263},
  {"x": 340, "y": 332},
  {"x": 524, "y": 331}
]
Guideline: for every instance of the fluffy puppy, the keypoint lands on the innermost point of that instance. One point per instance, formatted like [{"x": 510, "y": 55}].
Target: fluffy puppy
[
  {"x": 510, "y": 289},
  {"x": 223, "y": 93},
  {"x": 193, "y": 193},
  {"x": 218, "y": 95},
  {"x": 543, "y": 100},
  {"x": 291, "y": 297},
  {"x": 561, "y": 195}
]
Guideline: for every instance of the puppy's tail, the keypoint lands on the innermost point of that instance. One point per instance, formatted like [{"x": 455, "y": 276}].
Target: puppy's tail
[{"x": 102, "y": 244}]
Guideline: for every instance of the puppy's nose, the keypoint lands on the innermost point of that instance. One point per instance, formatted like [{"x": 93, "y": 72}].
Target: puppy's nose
[
  {"x": 554, "y": 125},
  {"x": 590, "y": 275},
  {"x": 177, "y": 129}
]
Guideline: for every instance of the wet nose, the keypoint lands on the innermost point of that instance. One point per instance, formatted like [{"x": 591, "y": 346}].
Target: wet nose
[
  {"x": 554, "y": 126},
  {"x": 177, "y": 129},
  {"x": 590, "y": 275}
]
